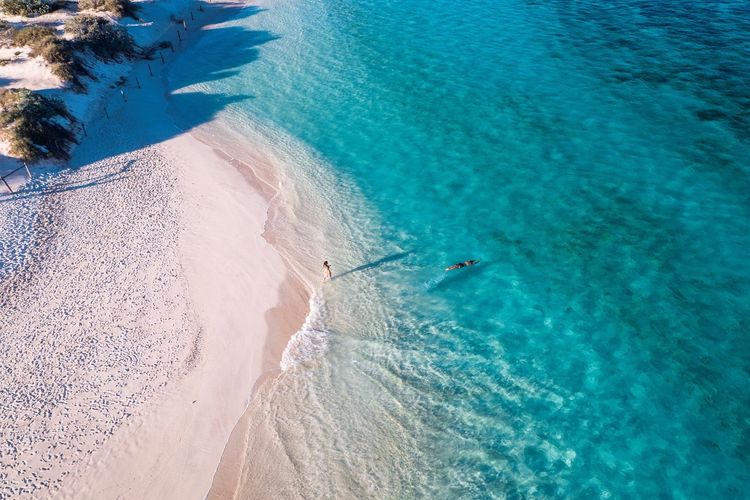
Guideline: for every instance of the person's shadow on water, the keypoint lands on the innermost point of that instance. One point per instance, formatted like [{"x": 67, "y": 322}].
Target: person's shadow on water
[{"x": 373, "y": 264}]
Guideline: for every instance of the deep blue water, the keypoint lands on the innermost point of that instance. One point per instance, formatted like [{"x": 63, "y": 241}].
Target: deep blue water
[{"x": 595, "y": 155}]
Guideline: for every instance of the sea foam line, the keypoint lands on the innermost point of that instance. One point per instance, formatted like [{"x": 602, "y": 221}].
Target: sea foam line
[{"x": 311, "y": 340}]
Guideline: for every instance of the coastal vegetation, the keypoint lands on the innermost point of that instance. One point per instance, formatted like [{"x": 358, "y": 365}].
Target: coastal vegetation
[
  {"x": 103, "y": 38},
  {"x": 106, "y": 39},
  {"x": 58, "y": 53},
  {"x": 119, "y": 8},
  {"x": 31, "y": 125},
  {"x": 32, "y": 36},
  {"x": 34, "y": 126},
  {"x": 26, "y": 8}
]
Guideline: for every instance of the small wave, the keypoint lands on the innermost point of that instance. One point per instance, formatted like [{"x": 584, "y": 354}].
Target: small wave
[{"x": 311, "y": 340}]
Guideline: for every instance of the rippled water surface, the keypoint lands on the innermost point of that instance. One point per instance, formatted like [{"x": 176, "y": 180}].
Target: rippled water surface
[{"x": 593, "y": 154}]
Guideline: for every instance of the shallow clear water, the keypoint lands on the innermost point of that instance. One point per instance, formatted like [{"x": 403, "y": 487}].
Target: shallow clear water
[{"x": 593, "y": 155}]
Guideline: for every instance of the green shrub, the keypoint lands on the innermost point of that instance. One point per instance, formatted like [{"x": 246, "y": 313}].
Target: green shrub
[
  {"x": 27, "y": 8},
  {"x": 58, "y": 53},
  {"x": 119, "y": 8},
  {"x": 6, "y": 33},
  {"x": 70, "y": 73},
  {"x": 30, "y": 124},
  {"x": 31, "y": 36},
  {"x": 104, "y": 38},
  {"x": 55, "y": 52}
]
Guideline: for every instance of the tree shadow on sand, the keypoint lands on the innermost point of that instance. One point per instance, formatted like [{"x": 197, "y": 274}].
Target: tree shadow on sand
[{"x": 222, "y": 54}]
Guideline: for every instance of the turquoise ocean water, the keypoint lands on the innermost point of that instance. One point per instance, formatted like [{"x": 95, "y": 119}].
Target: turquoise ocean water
[{"x": 595, "y": 155}]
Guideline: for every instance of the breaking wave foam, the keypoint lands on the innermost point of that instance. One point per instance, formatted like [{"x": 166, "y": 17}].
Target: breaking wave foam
[{"x": 311, "y": 340}]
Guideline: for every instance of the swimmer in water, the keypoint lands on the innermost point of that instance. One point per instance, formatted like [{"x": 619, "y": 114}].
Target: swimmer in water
[
  {"x": 327, "y": 274},
  {"x": 466, "y": 263}
]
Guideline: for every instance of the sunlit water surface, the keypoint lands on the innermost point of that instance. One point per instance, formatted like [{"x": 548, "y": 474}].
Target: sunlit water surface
[{"x": 593, "y": 155}]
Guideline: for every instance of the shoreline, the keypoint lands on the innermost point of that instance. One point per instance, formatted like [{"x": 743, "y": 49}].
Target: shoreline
[
  {"x": 147, "y": 455},
  {"x": 283, "y": 320},
  {"x": 227, "y": 478}
]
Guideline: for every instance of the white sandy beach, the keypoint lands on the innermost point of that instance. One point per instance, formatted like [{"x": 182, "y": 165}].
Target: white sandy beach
[{"x": 135, "y": 295}]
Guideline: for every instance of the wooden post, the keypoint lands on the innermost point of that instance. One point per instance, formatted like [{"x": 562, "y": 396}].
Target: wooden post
[
  {"x": 105, "y": 112},
  {"x": 178, "y": 37},
  {"x": 27, "y": 169},
  {"x": 83, "y": 125},
  {"x": 122, "y": 92},
  {"x": 151, "y": 73},
  {"x": 6, "y": 184},
  {"x": 137, "y": 81},
  {"x": 191, "y": 16},
  {"x": 161, "y": 54}
]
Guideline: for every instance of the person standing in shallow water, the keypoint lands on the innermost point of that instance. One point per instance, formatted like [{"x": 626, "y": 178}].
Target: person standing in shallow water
[{"x": 327, "y": 274}]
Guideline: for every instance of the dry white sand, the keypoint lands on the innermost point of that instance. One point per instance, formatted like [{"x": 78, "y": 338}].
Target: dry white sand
[{"x": 133, "y": 301}]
